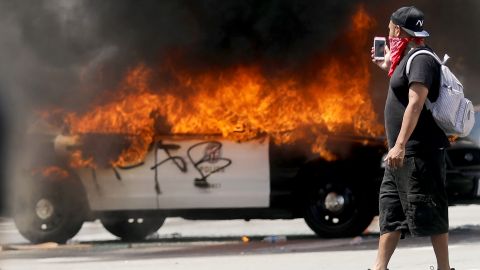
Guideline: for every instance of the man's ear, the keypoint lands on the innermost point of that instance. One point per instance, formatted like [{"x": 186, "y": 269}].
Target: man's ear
[{"x": 397, "y": 31}]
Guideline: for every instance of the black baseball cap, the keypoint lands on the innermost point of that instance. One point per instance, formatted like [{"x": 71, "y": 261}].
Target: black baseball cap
[{"x": 411, "y": 20}]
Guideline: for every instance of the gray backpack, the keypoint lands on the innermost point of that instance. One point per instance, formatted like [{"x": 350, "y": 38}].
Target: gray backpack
[{"x": 452, "y": 112}]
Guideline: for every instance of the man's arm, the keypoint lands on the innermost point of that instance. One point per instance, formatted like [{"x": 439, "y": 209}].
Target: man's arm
[{"x": 417, "y": 94}]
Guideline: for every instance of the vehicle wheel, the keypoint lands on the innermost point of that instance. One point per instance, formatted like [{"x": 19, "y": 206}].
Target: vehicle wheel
[
  {"x": 49, "y": 211},
  {"x": 336, "y": 210},
  {"x": 132, "y": 229}
]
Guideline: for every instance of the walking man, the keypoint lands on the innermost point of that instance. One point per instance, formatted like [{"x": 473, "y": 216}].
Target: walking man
[{"x": 412, "y": 194}]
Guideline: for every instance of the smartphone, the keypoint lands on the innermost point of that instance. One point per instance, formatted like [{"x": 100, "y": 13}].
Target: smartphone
[{"x": 379, "y": 48}]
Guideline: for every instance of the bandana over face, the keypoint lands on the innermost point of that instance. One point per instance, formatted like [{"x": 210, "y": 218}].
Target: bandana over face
[{"x": 397, "y": 48}]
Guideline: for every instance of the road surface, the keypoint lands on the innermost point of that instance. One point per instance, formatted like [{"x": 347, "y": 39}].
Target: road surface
[{"x": 212, "y": 245}]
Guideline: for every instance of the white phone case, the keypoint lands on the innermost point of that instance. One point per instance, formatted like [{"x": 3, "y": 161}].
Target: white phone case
[{"x": 375, "y": 40}]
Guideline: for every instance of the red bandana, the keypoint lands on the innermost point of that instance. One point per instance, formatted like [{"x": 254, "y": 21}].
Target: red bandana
[{"x": 397, "y": 48}]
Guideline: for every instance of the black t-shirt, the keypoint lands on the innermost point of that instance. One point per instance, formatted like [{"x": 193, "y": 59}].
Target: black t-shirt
[{"x": 426, "y": 135}]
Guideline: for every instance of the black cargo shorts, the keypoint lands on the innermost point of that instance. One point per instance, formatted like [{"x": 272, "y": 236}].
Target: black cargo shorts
[{"x": 413, "y": 197}]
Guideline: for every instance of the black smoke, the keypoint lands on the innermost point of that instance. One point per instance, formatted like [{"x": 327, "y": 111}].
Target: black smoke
[
  {"x": 78, "y": 48},
  {"x": 67, "y": 52}
]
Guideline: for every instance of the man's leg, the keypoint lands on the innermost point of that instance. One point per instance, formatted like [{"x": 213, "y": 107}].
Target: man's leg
[
  {"x": 386, "y": 246},
  {"x": 391, "y": 217},
  {"x": 440, "y": 246}
]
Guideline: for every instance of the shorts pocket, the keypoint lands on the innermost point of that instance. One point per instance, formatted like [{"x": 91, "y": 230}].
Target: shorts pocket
[{"x": 422, "y": 210}]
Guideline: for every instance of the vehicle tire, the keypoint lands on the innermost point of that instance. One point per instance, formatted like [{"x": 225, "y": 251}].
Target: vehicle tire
[
  {"x": 334, "y": 210},
  {"x": 132, "y": 229},
  {"x": 49, "y": 210}
]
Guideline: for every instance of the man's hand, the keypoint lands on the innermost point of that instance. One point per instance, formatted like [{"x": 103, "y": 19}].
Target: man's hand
[
  {"x": 395, "y": 156},
  {"x": 383, "y": 64}
]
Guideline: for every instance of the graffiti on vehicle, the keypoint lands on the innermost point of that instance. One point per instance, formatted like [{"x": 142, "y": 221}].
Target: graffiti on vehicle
[
  {"x": 177, "y": 160},
  {"x": 209, "y": 164},
  {"x": 211, "y": 155}
]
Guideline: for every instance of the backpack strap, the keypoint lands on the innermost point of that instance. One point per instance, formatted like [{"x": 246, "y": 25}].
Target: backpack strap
[
  {"x": 410, "y": 59},
  {"x": 428, "y": 104}
]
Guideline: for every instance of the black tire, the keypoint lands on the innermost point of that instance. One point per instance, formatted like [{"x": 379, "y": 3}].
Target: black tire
[
  {"x": 350, "y": 219},
  {"x": 49, "y": 210},
  {"x": 132, "y": 229}
]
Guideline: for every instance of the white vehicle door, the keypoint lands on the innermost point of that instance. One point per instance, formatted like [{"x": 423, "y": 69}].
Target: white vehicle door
[
  {"x": 119, "y": 188},
  {"x": 217, "y": 173},
  {"x": 185, "y": 173}
]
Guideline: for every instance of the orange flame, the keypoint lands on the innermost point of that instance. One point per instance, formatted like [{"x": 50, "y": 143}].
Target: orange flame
[
  {"x": 242, "y": 103},
  {"x": 51, "y": 172},
  {"x": 77, "y": 160}
]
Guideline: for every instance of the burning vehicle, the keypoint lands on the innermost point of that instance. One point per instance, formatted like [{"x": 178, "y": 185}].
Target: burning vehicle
[
  {"x": 235, "y": 142},
  {"x": 198, "y": 177}
]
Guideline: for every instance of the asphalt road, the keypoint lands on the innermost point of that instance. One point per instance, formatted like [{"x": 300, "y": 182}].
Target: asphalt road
[{"x": 182, "y": 244}]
